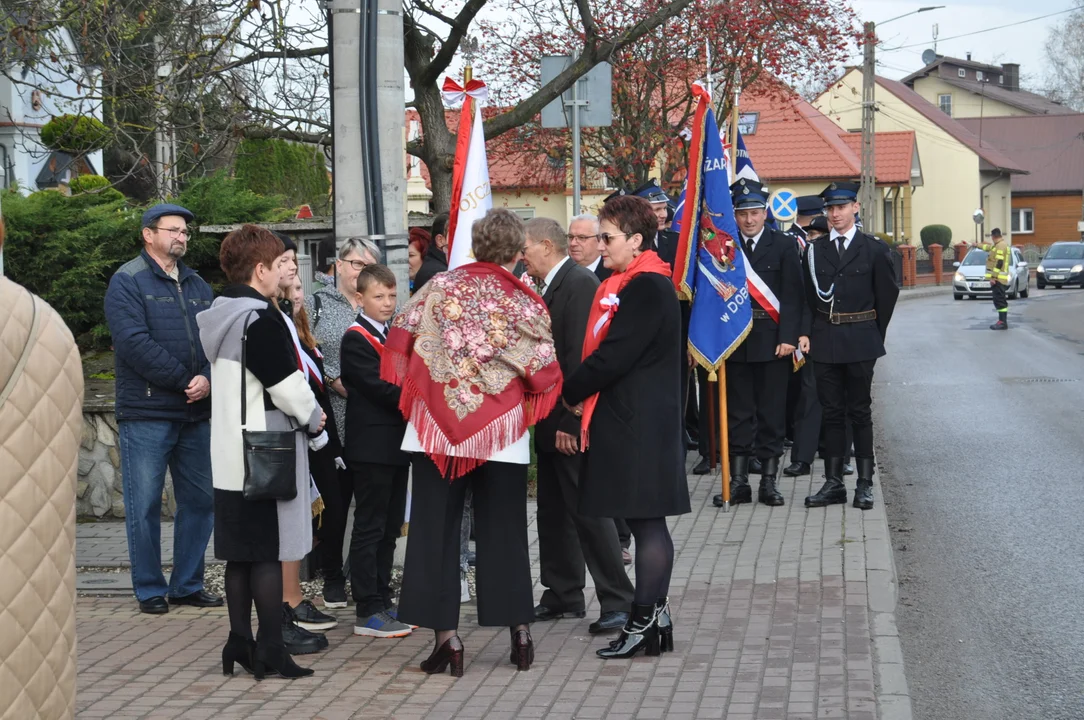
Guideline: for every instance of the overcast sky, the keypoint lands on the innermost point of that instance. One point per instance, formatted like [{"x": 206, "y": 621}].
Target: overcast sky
[{"x": 1022, "y": 42}]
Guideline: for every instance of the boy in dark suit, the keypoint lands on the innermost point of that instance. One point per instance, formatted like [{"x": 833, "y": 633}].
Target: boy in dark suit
[{"x": 374, "y": 434}]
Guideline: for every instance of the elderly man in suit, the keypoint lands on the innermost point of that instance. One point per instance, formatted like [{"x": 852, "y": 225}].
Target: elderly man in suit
[
  {"x": 584, "y": 245},
  {"x": 566, "y": 539}
]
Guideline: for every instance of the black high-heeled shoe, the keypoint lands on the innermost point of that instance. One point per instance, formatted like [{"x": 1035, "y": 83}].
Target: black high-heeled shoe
[
  {"x": 237, "y": 650},
  {"x": 522, "y": 654},
  {"x": 665, "y": 623},
  {"x": 272, "y": 659},
  {"x": 448, "y": 655},
  {"x": 641, "y": 632}
]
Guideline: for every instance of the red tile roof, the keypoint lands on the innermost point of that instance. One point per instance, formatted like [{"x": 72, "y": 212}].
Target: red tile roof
[
  {"x": 1049, "y": 147},
  {"x": 893, "y": 153}
]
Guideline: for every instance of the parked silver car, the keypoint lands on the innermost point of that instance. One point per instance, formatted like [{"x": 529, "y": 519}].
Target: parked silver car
[{"x": 970, "y": 275}]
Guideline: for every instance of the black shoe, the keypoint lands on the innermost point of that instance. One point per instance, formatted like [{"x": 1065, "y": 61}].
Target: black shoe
[
  {"x": 522, "y": 654},
  {"x": 608, "y": 622},
  {"x": 740, "y": 492},
  {"x": 1002, "y": 324},
  {"x": 848, "y": 469},
  {"x": 154, "y": 606},
  {"x": 276, "y": 660},
  {"x": 198, "y": 599},
  {"x": 309, "y": 617},
  {"x": 833, "y": 491},
  {"x": 796, "y": 469},
  {"x": 863, "y": 496},
  {"x": 238, "y": 650},
  {"x": 703, "y": 467},
  {"x": 298, "y": 640},
  {"x": 334, "y": 594},
  {"x": 755, "y": 467},
  {"x": 543, "y": 613},
  {"x": 641, "y": 632},
  {"x": 666, "y": 625},
  {"x": 768, "y": 494}
]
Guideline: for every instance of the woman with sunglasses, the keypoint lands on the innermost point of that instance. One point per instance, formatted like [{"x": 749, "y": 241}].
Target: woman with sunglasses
[{"x": 628, "y": 389}]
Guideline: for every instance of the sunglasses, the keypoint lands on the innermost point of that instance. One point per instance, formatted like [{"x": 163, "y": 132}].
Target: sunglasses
[{"x": 607, "y": 237}]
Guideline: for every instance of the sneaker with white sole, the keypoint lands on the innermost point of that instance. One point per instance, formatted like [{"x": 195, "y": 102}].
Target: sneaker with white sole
[
  {"x": 334, "y": 595},
  {"x": 380, "y": 625},
  {"x": 307, "y": 616}
]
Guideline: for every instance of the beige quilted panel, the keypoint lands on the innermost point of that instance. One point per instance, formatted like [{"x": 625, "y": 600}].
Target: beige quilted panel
[{"x": 40, "y": 430}]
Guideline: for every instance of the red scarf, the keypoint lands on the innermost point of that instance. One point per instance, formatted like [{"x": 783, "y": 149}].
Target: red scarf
[
  {"x": 602, "y": 311},
  {"x": 473, "y": 352}
]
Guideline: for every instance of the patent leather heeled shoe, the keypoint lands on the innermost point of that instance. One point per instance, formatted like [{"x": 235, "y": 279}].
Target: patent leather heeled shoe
[
  {"x": 239, "y": 650},
  {"x": 665, "y": 623},
  {"x": 448, "y": 656},
  {"x": 641, "y": 632},
  {"x": 522, "y": 654}
]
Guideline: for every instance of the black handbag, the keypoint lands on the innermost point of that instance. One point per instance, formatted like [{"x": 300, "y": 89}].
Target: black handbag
[{"x": 270, "y": 455}]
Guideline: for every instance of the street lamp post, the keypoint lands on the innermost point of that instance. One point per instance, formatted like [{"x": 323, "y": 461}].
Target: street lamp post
[{"x": 868, "y": 194}]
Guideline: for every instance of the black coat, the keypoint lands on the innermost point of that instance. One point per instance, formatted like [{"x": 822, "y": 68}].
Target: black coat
[
  {"x": 666, "y": 242},
  {"x": 374, "y": 425},
  {"x": 569, "y": 298},
  {"x": 636, "y": 459},
  {"x": 864, "y": 280},
  {"x": 775, "y": 259},
  {"x": 435, "y": 262},
  {"x": 602, "y": 272},
  {"x": 807, "y": 312}
]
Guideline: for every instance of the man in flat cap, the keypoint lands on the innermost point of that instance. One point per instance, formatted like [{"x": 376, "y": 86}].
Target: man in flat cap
[
  {"x": 758, "y": 370},
  {"x": 851, "y": 288},
  {"x": 163, "y": 410}
]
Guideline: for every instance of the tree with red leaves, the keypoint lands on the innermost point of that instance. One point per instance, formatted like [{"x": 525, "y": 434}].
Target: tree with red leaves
[{"x": 766, "y": 40}]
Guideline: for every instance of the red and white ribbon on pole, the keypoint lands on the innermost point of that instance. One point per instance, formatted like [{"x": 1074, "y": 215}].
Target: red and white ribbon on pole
[{"x": 471, "y": 196}]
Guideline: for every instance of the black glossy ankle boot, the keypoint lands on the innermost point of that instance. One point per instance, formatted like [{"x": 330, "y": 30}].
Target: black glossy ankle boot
[
  {"x": 238, "y": 650},
  {"x": 641, "y": 632},
  {"x": 666, "y": 625},
  {"x": 863, "y": 496},
  {"x": 740, "y": 492},
  {"x": 449, "y": 656},
  {"x": 768, "y": 494},
  {"x": 274, "y": 660},
  {"x": 833, "y": 491}
]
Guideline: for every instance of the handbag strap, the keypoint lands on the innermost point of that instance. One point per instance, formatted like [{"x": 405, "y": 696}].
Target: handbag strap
[
  {"x": 244, "y": 366},
  {"x": 9, "y": 386}
]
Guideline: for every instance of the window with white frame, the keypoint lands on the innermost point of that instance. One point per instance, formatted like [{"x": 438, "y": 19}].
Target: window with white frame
[
  {"x": 962, "y": 73},
  {"x": 524, "y": 213},
  {"x": 1023, "y": 220},
  {"x": 945, "y": 103},
  {"x": 890, "y": 215},
  {"x": 978, "y": 75}
]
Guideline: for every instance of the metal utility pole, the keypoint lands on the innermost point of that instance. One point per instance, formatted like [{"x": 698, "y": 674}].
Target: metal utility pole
[
  {"x": 165, "y": 142},
  {"x": 575, "y": 148},
  {"x": 351, "y": 219},
  {"x": 868, "y": 194},
  {"x": 390, "y": 109}
]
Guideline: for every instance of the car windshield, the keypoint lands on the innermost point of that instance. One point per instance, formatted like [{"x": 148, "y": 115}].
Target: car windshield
[
  {"x": 975, "y": 257},
  {"x": 1065, "y": 252}
]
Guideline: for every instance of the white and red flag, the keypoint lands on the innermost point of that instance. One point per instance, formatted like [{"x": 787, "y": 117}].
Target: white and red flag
[{"x": 471, "y": 196}]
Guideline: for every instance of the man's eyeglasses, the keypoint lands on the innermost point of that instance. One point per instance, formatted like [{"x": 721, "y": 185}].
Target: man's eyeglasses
[
  {"x": 581, "y": 238},
  {"x": 173, "y": 232},
  {"x": 607, "y": 237}
]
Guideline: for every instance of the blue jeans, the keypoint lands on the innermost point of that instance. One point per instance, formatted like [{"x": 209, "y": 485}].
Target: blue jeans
[{"x": 147, "y": 447}]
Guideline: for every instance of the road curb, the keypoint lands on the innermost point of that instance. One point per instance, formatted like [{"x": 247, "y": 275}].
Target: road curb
[
  {"x": 919, "y": 293},
  {"x": 893, "y": 695}
]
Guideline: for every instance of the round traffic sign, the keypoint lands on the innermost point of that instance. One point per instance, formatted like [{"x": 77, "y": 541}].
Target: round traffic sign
[{"x": 784, "y": 204}]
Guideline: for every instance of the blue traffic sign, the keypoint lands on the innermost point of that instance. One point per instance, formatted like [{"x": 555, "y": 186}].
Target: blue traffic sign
[{"x": 784, "y": 204}]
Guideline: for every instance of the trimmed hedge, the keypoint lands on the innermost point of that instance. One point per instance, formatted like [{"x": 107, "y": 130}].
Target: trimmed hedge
[
  {"x": 277, "y": 167},
  {"x": 936, "y": 235},
  {"x": 74, "y": 134}
]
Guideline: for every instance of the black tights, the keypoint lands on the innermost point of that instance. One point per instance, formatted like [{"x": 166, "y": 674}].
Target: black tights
[
  {"x": 259, "y": 583},
  {"x": 654, "y": 559}
]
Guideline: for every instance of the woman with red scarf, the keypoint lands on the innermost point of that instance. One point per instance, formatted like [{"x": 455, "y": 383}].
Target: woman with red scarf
[
  {"x": 629, "y": 385},
  {"x": 473, "y": 353}
]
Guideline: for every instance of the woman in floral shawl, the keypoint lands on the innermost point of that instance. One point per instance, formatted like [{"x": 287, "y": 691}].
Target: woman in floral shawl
[{"x": 473, "y": 353}]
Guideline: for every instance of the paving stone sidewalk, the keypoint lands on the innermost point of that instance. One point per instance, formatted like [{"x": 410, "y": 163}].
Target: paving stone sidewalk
[{"x": 780, "y": 614}]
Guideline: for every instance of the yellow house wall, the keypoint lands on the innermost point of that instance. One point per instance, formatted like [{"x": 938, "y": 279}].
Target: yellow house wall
[
  {"x": 965, "y": 104},
  {"x": 997, "y": 205},
  {"x": 950, "y": 170}
]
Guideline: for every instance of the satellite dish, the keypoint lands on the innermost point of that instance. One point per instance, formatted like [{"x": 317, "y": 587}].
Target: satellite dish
[{"x": 928, "y": 56}]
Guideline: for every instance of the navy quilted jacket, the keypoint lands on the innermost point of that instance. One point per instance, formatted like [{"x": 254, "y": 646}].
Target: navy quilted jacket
[{"x": 153, "y": 323}]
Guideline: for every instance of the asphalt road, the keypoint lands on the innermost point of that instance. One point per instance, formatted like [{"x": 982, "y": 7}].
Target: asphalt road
[{"x": 979, "y": 438}]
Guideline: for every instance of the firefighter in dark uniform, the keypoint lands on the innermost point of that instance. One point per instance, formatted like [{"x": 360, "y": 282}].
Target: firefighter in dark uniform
[
  {"x": 803, "y": 407},
  {"x": 851, "y": 288},
  {"x": 758, "y": 370}
]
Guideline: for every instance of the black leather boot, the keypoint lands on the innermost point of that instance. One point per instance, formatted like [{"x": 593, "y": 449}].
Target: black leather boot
[
  {"x": 755, "y": 466},
  {"x": 641, "y": 632},
  {"x": 863, "y": 496},
  {"x": 666, "y": 625},
  {"x": 768, "y": 494},
  {"x": 833, "y": 491},
  {"x": 740, "y": 492},
  {"x": 273, "y": 659}
]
